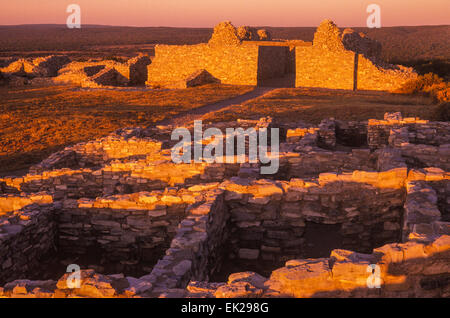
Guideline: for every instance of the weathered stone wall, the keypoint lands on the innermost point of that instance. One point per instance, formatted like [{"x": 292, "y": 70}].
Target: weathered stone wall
[
  {"x": 106, "y": 209},
  {"x": 374, "y": 77},
  {"x": 426, "y": 155},
  {"x": 196, "y": 251},
  {"x": 269, "y": 218},
  {"x": 27, "y": 237},
  {"x": 438, "y": 180},
  {"x": 321, "y": 67},
  {"x": 412, "y": 269},
  {"x": 419, "y": 131},
  {"x": 81, "y": 72},
  {"x": 98, "y": 153},
  {"x": 422, "y": 214},
  {"x": 126, "y": 232},
  {"x": 315, "y": 161},
  {"x": 197, "y": 245},
  {"x": 237, "y": 64}
]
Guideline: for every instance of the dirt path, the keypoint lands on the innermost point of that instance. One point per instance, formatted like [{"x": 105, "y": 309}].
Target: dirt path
[{"x": 193, "y": 114}]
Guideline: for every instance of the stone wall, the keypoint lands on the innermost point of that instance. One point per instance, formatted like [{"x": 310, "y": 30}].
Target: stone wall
[
  {"x": 230, "y": 64},
  {"x": 370, "y": 76},
  {"x": 319, "y": 67},
  {"x": 27, "y": 238},
  {"x": 315, "y": 161},
  {"x": 269, "y": 218},
  {"x": 193, "y": 219},
  {"x": 196, "y": 251},
  {"x": 412, "y": 269},
  {"x": 126, "y": 233},
  {"x": 419, "y": 131},
  {"x": 99, "y": 152},
  {"x": 346, "y": 61}
]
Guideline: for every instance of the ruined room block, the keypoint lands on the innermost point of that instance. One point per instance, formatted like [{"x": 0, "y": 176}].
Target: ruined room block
[
  {"x": 138, "y": 69},
  {"x": 225, "y": 34},
  {"x": 92, "y": 70},
  {"x": 49, "y": 66},
  {"x": 107, "y": 77}
]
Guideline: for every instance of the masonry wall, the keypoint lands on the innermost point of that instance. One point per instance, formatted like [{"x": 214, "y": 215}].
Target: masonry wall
[
  {"x": 125, "y": 232},
  {"x": 317, "y": 67},
  {"x": 26, "y": 238},
  {"x": 418, "y": 132},
  {"x": 270, "y": 222},
  {"x": 230, "y": 64},
  {"x": 371, "y": 77}
]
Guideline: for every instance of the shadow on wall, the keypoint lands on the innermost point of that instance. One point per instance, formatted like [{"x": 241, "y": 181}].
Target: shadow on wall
[
  {"x": 276, "y": 66},
  {"x": 355, "y": 72}
]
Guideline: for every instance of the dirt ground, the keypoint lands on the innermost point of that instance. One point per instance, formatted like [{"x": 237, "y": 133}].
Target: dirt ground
[
  {"x": 313, "y": 105},
  {"x": 37, "y": 121}
]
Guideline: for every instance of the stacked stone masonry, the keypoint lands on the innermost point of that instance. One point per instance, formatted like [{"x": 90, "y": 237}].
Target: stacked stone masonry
[
  {"x": 160, "y": 229},
  {"x": 334, "y": 60}
]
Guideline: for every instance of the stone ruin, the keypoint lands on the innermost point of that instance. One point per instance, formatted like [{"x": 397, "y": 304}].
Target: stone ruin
[
  {"x": 238, "y": 56},
  {"x": 57, "y": 70},
  {"x": 347, "y": 195},
  {"x": 246, "y": 56}
]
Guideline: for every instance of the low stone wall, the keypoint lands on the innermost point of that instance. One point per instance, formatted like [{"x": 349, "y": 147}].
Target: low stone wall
[
  {"x": 196, "y": 251},
  {"x": 27, "y": 237},
  {"x": 419, "y": 131},
  {"x": 99, "y": 152},
  {"x": 412, "y": 269},
  {"x": 426, "y": 155},
  {"x": 269, "y": 218},
  {"x": 422, "y": 215},
  {"x": 197, "y": 247},
  {"x": 193, "y": 219},
  {"x": 315, "y": 161},
  {"x": 125, "y": 232},
  {"x": 122, "y": 178}
]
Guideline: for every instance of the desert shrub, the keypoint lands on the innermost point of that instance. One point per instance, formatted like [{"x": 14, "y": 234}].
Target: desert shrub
[
  {"x": 429, "y": 84},
  {"x": 442, "y": 112},
  {"x": 439, "y": 92},
  {"x": 420, "y": 83}
]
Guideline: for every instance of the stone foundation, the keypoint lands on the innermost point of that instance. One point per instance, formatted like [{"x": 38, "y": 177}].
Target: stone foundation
[{"x": 119, "y": 205}]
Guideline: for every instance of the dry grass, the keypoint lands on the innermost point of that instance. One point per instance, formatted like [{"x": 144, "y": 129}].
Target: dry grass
[
  {"x": 313, "y": 105},
  {"x": 35, "y": 122}
]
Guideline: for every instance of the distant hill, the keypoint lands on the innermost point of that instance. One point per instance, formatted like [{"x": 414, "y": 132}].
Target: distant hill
[{"x": 399, "y": 43}]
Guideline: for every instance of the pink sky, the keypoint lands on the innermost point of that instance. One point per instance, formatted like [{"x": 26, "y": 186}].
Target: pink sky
[{"x": 207, "y": 13}]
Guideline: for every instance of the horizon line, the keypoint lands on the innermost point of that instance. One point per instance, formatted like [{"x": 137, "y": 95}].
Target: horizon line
[{"x": 207, "y": 27}]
